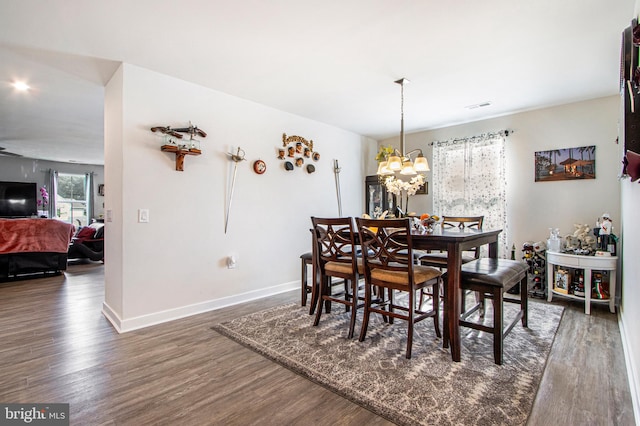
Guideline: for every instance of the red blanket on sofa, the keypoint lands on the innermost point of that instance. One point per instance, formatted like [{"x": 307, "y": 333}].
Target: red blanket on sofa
[{"x": 34, "y": 235}]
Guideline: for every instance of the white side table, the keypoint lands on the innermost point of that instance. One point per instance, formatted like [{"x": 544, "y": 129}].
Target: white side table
[{"x": 587, "y": 263}]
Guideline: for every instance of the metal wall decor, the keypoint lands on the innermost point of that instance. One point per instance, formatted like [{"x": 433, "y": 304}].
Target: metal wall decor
[
  {"x": 236, "y": 158},
  {"x": 336, "y": 171},
  {"x": 295, "y": 151}
]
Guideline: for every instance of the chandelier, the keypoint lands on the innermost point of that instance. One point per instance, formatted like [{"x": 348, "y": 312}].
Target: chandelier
[{"x": 399, "y": 161}]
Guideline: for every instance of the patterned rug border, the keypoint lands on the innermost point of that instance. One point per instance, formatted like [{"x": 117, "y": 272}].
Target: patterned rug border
[
  {"x": 308, "y": 373},
  {"x": 297, "y": 368}
]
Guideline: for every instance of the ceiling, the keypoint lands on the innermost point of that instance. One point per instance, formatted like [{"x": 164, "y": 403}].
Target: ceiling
[{"x": 328, "y": 60}]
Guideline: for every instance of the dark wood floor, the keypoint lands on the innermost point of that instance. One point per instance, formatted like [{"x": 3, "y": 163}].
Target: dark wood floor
[{"x": 57, "y": 347}]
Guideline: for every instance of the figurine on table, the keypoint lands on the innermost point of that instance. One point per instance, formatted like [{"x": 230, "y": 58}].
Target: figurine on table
[
  {"x": 606, "y": 239},
  {"x": 605, "y": 225}
]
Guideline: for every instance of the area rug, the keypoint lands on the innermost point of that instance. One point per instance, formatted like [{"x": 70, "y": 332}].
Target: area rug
[{"x": 429, "y": 388}]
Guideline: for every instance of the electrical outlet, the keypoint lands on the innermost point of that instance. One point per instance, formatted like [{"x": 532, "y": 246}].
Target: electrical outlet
[
  {"x": 231, "y": 262},
  {"x": 143, "y": 215}
]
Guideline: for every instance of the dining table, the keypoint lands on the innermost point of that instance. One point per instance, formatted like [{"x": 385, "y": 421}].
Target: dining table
[{"x": 455, "y": 241}]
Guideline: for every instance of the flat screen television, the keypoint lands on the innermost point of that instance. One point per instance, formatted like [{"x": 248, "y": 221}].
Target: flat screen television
[{"x": 18, "y": 199}]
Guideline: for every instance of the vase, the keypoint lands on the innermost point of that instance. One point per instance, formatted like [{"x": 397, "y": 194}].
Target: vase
[
  {"x": 401, "y": 211},
  {"x": 429, "y": 225}
]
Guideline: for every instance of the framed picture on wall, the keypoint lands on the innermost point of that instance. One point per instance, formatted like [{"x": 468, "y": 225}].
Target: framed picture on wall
[
  {"x": 424, "y": 189},
  {"x": 566, "y": 164}
]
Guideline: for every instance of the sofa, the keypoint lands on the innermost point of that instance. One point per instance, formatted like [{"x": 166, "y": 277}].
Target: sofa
[{"x": 33, "y": 247}]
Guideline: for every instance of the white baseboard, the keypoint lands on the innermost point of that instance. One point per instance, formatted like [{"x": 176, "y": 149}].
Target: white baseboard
[
  {"x": 632, "y": 368},
  {"x": 130, "y": 324},
  {"x": 113, "y": 318}
]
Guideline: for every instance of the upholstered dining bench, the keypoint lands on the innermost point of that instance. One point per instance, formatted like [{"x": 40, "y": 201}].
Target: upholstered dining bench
[{"x": 491, "y": 278}]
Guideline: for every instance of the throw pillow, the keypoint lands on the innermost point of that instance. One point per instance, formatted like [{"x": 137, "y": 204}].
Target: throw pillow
[{"x": 85, "y": 233}]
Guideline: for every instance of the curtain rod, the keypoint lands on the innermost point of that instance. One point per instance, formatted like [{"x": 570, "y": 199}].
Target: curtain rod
[{"x": 503, "y": 133}]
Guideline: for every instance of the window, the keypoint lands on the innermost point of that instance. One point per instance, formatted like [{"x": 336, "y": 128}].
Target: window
[
  {"x": 469, "y": 179},
  {"x": 71, "y": 199}
]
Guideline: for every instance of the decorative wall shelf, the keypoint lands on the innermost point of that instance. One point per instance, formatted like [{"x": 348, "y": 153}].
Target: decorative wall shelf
[
  {"x": 180, "y": 152},
  {"x": 190, "y": 147}
]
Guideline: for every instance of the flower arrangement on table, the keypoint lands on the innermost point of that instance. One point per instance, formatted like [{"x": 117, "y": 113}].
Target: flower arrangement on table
[{"x": 44, "y": 201}]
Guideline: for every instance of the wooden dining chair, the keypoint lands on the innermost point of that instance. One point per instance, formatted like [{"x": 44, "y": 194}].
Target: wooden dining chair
[
  {"x": 387, "y": 251},
  {"x": 438, "y": 259},
  {"x": 336, "y": 253}
]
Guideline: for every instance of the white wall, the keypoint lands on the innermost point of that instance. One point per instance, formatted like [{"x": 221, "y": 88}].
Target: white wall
[
  {"x": 114, "y": 190},
  {"x": 175, "y": 265},
  {"x": 17, "y": 169},
  {"x": 534, "y": 207},
  {"x": 629, "y": 312}
]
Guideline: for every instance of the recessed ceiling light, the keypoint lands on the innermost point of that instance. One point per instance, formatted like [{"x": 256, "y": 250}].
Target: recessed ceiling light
[{"x": 21, "y": 86}]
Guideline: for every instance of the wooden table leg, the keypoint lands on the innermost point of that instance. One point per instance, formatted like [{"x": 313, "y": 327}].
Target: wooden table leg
[
  {"x": 452, "y": 310},
  {"x": 493, "y": 249}
]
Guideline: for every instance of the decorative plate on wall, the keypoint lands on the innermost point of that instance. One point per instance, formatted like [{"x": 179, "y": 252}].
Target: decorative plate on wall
[{"x": 259, "y": 167}]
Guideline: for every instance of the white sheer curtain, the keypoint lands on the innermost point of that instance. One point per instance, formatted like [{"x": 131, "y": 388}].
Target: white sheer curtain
[
  {"x": 52, "y": 179},
  {"x": 88, "y": 196},
  {"x": 469, "y": 179}
]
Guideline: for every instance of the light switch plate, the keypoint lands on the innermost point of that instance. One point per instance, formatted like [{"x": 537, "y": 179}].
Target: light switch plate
[{"x": 143, "y": 215}]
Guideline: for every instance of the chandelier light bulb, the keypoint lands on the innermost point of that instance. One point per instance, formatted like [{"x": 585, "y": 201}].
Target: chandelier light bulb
[
  {"x": 383, "y": 169},
  {"x": 407, "y": 169},
  {"x": 395, "y": 163},
  {"x": 421, "y": 164}
]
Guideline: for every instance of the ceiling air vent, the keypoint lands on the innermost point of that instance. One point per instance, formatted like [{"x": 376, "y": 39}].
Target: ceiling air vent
[{"x": 480, "y": 105}]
